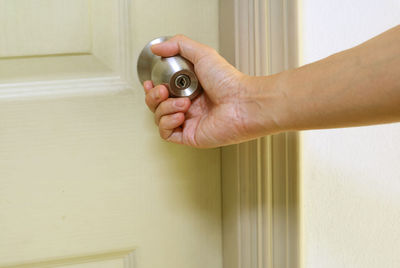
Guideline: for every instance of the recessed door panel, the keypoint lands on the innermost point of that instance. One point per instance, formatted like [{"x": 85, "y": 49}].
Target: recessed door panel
[{"x": 44, "y": 27}]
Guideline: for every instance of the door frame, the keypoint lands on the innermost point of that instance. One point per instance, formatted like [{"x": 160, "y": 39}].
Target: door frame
[{"x": 260, "y": 178}]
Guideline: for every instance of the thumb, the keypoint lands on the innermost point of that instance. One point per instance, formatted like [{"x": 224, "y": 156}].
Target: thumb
[{"x": 180, "y": 44}]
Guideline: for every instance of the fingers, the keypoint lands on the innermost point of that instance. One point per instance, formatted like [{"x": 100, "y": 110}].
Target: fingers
[
  {"x": 179, "y": 44},
  {"x": 176, "y": 136},
  {"x": 169, "y": 125},
  {"x": 147, "y": 85},
  {"x": 171, "y": 106},
  {"x": 169, "y": 112},
  {"x": 169, "y": 116},
  {"x": 156, "y": 95}
]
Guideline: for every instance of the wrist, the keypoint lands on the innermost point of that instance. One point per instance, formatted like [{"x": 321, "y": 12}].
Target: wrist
[{"x": 266, "y": 104}]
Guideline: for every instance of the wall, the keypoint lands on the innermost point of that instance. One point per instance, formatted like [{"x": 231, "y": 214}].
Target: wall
[{"x": 350, "y": 177}]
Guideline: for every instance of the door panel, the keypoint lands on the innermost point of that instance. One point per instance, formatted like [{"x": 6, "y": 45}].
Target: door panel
[
  {"x": 43, "y": 27},
  {"x": 85, "y": 180}
]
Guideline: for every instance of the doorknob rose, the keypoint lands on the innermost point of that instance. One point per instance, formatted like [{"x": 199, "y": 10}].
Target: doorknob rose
[{"x": 176, "y": 73}]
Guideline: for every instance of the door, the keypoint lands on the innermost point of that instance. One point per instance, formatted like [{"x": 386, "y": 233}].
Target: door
[{"x": 85, "y": 180}]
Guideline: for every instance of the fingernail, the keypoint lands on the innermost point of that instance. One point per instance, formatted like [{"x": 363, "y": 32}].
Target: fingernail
[
  {"x": 154, "y": 46},
  {"x": 147, "y": 85},
  {"x": 179, "y": 103}
]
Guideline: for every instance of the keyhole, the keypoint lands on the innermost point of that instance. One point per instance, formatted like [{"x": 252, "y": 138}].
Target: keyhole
[{"x": 182, "y": 81}]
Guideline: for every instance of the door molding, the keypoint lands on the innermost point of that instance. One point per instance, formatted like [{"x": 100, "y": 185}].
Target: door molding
[
  {"x": 260, "y": 185},
  {"x": 96, "y": 77}
]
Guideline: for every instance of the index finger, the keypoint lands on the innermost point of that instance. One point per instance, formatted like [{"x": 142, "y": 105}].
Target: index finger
[
  {"x": 155, "y": 96},
  {"x": 180, "y": 44},
  {"x": 147, "y": 85}
]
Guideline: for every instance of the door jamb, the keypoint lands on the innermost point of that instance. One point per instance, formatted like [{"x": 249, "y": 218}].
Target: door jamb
[{"x": 260, "y": 178}]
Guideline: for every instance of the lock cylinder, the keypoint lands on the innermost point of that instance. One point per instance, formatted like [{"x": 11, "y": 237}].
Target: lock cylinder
[{"x": 176, "y": 72}]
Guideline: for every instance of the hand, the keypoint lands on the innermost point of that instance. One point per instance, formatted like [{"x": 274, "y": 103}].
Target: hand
[
  {"x": 352, "y": 88},
  {"x": 219, "y": 116}
]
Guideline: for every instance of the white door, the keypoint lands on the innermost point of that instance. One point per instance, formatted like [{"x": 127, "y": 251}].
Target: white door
[{"x": 85, "y": 180}]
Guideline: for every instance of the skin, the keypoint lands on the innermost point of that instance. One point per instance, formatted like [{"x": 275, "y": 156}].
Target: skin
[{"x": 359, "y": 86}]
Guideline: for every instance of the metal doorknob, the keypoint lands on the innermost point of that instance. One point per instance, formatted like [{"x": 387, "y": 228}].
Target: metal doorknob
[{"x": 176, "y": 72}]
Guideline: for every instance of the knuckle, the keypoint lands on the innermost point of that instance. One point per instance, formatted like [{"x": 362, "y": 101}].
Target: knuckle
[
  {"x": 163, "y": 134},
  {"x": 159, "y": 112},
  {"x": 161, "y": 122},
  {"x": 162, "y": 110},
  {"x": 146, "y": 100},
  {"x": 207, "y": 50},
  {"x": 158, "y": 115},
  {"x": 180, "y": 36},
  {"x": 149, "y": 102},
  {"x": 211, "y": 50},
  {"x": 161, "y": 106},
  {"x": 159, "y": 93},
  {"x": 154, "y": 96}
]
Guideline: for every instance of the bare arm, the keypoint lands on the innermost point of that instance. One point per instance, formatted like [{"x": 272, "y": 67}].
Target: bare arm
[{"x": 359, "y": 86}]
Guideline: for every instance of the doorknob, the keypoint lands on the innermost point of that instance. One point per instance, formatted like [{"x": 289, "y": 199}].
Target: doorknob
[{"x": 176, "y": 72}]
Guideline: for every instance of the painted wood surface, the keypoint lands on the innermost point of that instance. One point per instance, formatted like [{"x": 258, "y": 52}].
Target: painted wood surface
[
  {"x": 85, "y": 180},
  {"x": 43, "y": 27},
  {"x": 260, "y": 178}
]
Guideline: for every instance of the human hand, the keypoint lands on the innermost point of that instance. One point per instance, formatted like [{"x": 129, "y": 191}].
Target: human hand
[{"x": 219, "y": 116}]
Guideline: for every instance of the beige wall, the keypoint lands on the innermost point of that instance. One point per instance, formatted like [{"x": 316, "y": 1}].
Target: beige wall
[{"x": 350, "y": 177}]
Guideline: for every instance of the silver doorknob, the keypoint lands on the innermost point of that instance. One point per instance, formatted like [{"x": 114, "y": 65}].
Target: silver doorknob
[{"x": 176, "y": 72}]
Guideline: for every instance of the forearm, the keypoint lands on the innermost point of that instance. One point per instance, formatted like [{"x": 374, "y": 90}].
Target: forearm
[{"x": 359, "y": 86}]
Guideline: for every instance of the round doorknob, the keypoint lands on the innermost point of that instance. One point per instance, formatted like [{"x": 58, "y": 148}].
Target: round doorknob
[{"x": 176, "y": 72}]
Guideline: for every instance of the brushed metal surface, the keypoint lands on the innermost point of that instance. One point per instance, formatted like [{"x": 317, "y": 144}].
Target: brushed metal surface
[{"x": 176, "y": 72}]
